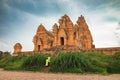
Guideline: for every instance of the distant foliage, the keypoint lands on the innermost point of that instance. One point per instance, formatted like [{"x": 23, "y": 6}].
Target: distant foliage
[
  {"x": 4, "y": 54},
  {"x": 7, "y": 53},
  {"x": 1, "y": 55}
]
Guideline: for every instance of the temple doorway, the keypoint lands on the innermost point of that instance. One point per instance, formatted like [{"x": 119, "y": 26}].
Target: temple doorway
[
  {"x": 38, "y": 47},
  {"x": 62, "y": 40}
]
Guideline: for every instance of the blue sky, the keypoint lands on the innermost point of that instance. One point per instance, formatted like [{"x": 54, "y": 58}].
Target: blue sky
[{"x": 19, "y": 20}]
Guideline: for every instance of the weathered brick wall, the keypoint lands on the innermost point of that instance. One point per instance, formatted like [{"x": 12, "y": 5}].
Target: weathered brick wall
[{"x": 107, "y": 51}]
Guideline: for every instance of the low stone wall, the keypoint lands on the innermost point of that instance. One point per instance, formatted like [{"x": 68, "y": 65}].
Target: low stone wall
[{"x": 107, "y": 51}]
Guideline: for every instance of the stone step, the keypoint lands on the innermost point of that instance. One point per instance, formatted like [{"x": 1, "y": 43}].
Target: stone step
[{"x": 46, "y": 69}]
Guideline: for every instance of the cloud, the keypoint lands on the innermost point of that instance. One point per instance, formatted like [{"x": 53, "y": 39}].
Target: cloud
[
  {"x": 19, "y": 19},
  {"x": 36, "y": 7},
  {"x": 9, "y": 19},
  {"x": 117, "y": 33},
  {"x": 4, "y": 46},
  {"x": 103, "y": 20},
  {"x": 24, "y": 32}
]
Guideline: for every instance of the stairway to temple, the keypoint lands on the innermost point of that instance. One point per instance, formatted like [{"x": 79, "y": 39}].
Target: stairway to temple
[
  {"x": 46, "y": 69},
  {"x": 57, "y": 51}
]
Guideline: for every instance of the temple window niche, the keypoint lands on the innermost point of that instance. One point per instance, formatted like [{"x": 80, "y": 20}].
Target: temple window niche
[
  {"x": 62, "y": 40},
  {"x": 38, "y": 47}
]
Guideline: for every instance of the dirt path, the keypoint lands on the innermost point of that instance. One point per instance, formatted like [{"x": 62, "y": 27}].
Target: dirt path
[{"x": 19, "y": 75}]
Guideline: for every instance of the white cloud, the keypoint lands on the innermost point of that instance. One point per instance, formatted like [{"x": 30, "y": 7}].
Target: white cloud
[
  {"x": 103, "y": 31},
  {"x": 29, "y": 27},
  {"x": 104, "y": 36},
  {"x": 4, "y": 45}
]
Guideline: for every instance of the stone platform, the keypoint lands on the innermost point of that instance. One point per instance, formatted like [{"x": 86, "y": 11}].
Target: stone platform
[{"x": 58, "y": 49}]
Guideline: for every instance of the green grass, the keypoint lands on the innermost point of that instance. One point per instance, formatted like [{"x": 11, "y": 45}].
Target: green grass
[
  {"x": 35, "y": 62},
  {"x": 70, "y": 62},
  {"x": 114, "y": 63},
  {"x": 12, "y": 63},
  {"x": 78, "y": 62}
]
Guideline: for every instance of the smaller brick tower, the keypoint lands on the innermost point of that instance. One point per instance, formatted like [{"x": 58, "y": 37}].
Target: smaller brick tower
[{"x": 17, "y": 49}]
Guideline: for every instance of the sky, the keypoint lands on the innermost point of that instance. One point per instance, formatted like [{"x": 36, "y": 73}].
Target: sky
[{"x": 19, "y": 20}]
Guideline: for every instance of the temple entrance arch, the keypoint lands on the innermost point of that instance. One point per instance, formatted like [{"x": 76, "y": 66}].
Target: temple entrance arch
[
  {"x": 38, "y": 47},
  {"x": 62, "y": 40}
]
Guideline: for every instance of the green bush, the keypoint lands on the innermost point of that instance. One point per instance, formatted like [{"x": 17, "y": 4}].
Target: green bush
[
  {"x": 95, "y": 63},
  {"x": 79, "y": 63},
  {"x": 114, "y": 63},
  {"x": 70, "y": 62},
  {"x": 66, "y": 62},
  {"x": 4, "y": 54},
  {"x": 12, "y": 62},
  {"x": 4, "y": 61},
  {"x": 7, "y": 53},
  {"x": 1, "y": 55},
  {"x": 34, "y": 62}
]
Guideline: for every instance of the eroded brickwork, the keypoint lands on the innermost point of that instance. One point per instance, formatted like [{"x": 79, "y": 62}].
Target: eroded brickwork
[
  {"x": 66, "y": 33},
  {"x": 17, "y": 49}
]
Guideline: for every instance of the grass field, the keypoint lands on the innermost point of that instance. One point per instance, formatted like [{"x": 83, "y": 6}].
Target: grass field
[{"x": 70, "y": 62}]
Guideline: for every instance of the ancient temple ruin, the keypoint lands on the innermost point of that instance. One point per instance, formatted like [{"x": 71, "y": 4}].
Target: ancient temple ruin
[
  {"x": 65, "y": 37},
  {"x": 66, "y": 33}
]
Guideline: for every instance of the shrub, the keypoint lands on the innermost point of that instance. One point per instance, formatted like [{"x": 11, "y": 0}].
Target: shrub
[
  {"x": 1, "y": 55},
  {"x": 7, "y": 53},
  {"x": 79, "y": 63},
  {"x": 35, "y": 62},
  {"x": 73, "y": 62},
  {"x": 4, "y": 54},
  {"x": 12, "y": 62},
  {"x": 95, "y": 63},
  {"x": 4, "y": 61},
  {"x": 66, "y": 62},
  {"x": 114, "y": 63}
]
